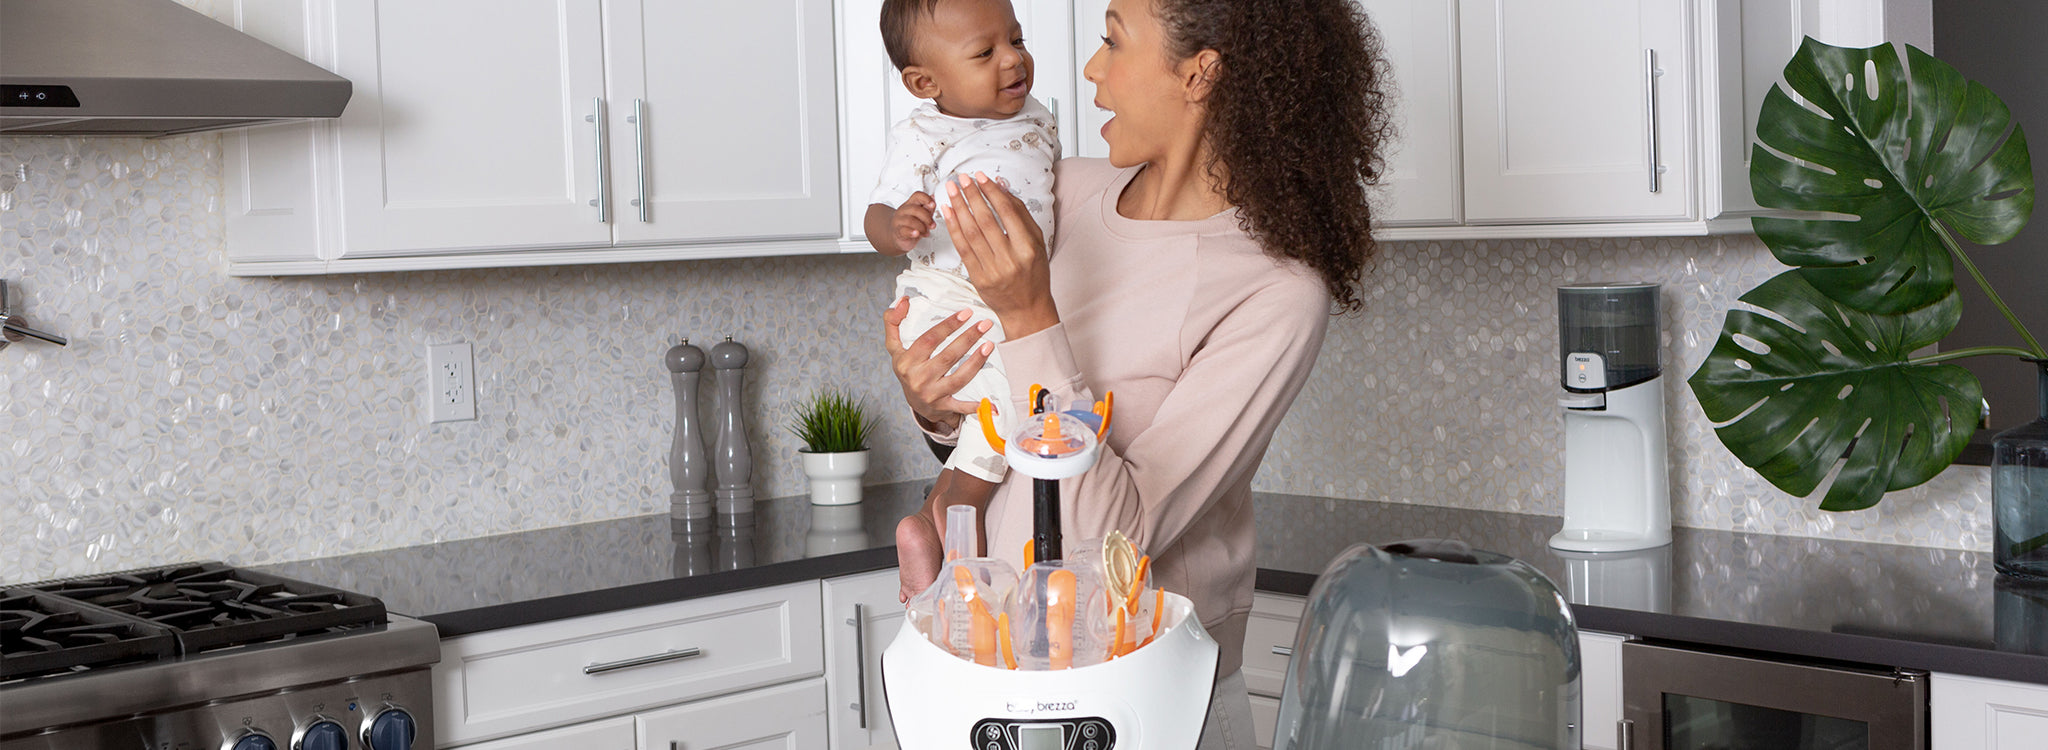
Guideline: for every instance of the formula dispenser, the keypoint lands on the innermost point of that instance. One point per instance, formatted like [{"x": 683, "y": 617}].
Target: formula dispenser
[{"x": 1616, "y": 489}]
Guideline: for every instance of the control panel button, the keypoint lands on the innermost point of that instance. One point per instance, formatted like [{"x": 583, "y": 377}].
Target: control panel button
[
  {"x": 324, "y": 735},
  {"x": 392, "y": 729},
  {"x": 254, "y": 741}
]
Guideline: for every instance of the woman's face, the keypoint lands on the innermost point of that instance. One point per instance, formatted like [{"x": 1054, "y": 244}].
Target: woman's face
[{"x": 1139, "y": 86}]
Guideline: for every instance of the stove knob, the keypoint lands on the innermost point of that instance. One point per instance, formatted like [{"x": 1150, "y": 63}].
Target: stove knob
[
  {"x": 325, "y": 734},
  {"x": 253, "y": 741},
  {"x": 392, "y": 729}
]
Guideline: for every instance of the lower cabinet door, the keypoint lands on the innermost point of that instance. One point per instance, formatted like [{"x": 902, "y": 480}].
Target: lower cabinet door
[
  {"x": 610, "y": 734},
  {"x": 785, "y": 717},
  {"x": 861, "y": 617},
  {"x": 1265, "y": 718}
]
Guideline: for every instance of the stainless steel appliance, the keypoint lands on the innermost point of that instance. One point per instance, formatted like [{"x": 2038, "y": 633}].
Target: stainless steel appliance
[
  {"x": 205, "y": 656},
  {"x": 1682, "y": 699},
  {"x": 146, "y": 68}
]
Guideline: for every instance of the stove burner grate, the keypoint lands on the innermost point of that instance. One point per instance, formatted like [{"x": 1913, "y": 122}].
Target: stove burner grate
[
  {"x": 211, "y": 605},
  {"x": 42, "y": 634}
]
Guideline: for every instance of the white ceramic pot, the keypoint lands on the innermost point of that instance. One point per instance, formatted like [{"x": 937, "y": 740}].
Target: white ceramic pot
[{"x": 835, "y": 477}]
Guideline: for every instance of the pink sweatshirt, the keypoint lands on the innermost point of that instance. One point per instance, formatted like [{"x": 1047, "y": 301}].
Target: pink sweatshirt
[{"x": 1205, "y": 340}]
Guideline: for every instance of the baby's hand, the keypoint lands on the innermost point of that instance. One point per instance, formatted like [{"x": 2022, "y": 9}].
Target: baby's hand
[{"x": 913, "y": 221}]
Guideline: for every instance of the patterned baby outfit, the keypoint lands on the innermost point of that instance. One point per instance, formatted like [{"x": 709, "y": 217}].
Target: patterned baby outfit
[{"x": 925, "y": 150}]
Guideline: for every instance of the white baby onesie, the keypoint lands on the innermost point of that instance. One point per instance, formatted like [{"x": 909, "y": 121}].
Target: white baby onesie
[{"x": 925, "y": 150}]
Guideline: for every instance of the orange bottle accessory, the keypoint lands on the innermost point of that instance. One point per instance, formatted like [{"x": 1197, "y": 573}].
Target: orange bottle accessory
[{"x": 1059, "y": 617}]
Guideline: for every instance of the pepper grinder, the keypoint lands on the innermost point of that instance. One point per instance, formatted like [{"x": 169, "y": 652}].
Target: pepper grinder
[
  {"x": 689, "y": 507},
  {"x": 731, "y": 460}
]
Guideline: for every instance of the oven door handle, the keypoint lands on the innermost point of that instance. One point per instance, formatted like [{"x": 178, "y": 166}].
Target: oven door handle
[{"x": 641, "y": 661}]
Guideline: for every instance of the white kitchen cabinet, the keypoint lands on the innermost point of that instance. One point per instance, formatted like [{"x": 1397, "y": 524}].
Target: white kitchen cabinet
[
  {"x": 1420, "y": 40},
  {"x": 610, "y": 734},
  {"x": 1088, "y": 121},
  {"x": 724, "y": 112},
  {"x": 1976, "y": 713},
  {"x": 1423, "y": 183},
  {"x": 861, "y": 617},
  {"x": 1600, "y": 701},
  {"x": 874, "y": 98},
  {"x": 1269, "y": 641},
  {"x": 524, "y": 679},
  {"x": 785, "y": 717},
  {"x": 1265, "y": 719},
  {"x": 1580, "y": 112},
  {"x": 488, "y": 133}
]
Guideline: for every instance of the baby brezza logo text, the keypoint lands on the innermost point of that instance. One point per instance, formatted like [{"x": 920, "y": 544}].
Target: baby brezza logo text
[{"x": 1028, "y": 708}]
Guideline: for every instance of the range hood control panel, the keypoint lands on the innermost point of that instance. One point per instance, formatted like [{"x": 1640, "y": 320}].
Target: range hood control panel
[{"x": 19, "y": 95}]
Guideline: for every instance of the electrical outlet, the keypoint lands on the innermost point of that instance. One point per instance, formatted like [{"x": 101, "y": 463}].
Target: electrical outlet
[{"x": 451, "y": 391}]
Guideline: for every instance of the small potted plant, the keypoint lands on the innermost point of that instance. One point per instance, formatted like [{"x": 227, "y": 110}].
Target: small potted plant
[{"x": 835, "y": 428}]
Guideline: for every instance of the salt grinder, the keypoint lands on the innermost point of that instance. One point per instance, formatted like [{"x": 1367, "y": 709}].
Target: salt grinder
[
  {"x": 689, "y": 507},
  {"x": 732, "y": 462}
]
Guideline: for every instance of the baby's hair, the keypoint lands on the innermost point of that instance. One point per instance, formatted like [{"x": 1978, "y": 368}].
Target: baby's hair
[{"x": 899, "y": 25}]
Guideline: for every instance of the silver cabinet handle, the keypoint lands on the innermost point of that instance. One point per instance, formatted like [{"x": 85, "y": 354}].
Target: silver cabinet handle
[
  {"x": 1650, "y": 73},
  {"x": 860, "y": 662},
  {"x": 1625, "y": 734},
  {"x": 604, "y": 167},
  {"x": 641, "y": 661},
  {"x": 639, "y": 120},
  {"x": 1054, "y": 109},
  {"x": 1287, "y": 651}
]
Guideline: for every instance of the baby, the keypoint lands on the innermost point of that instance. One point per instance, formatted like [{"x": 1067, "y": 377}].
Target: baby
[{"x": 967, "y": 58}]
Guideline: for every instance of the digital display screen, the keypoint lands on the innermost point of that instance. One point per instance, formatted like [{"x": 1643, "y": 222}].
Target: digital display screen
[{"x": 1041, "y": 737}]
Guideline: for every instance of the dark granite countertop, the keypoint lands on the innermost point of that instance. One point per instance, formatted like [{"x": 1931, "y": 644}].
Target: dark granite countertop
[{"x": 1939, "y": 610}]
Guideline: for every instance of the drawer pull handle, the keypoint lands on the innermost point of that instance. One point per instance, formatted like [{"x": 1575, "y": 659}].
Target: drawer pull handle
[
  {"x": 860, "y": 661},
  {"x": 641, "y": 661},
  {"x": 1287, "y": 651}
]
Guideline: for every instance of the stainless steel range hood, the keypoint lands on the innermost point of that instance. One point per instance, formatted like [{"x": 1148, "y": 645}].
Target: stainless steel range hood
[{"x": 146, "y": 68}]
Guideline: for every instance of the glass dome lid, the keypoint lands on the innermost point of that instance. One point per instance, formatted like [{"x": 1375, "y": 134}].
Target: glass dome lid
[{"x": 1432, "y": 644}]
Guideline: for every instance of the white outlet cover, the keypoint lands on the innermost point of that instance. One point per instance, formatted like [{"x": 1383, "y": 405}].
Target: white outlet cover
[{"x": 451, "y": 387}]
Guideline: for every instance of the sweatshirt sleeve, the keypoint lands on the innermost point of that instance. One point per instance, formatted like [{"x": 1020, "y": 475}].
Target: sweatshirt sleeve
[{"x": 1212, "y": 428}]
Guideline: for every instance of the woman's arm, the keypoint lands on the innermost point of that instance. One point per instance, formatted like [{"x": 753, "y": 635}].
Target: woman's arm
[{"x": 922, "y": 368}]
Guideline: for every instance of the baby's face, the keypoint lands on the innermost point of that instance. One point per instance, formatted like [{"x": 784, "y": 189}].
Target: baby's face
[{"x": 974, "y": 51}]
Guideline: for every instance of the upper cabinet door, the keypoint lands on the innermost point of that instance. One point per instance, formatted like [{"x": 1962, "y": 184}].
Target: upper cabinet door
[
  {"x": 1567, "y": 104},
  {"x": 1420, "y": 40},
  {"x": 722, "y": 120},
  {"x": 467, "y": 129},
  {"x": 1088, "y": 120}
]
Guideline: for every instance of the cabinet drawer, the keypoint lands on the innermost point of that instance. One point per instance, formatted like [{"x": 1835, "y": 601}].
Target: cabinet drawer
[
  {"x": 1275, "y": 617},
  {"x": 519, "y": 679},
  {"x": 785, "y": 717}
]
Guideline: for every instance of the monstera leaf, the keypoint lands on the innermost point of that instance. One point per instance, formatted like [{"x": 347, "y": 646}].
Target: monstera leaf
[
  {"x": 1904, "y": 150},
  {"x": 1795, "y": 389}
]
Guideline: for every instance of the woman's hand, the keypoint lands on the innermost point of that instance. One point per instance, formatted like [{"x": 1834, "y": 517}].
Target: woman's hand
[
  {"x": 1008, "y": 268},
  {"x": 923, "y": 373}
]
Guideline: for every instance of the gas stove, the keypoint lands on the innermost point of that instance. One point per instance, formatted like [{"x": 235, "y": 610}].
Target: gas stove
[{"x": 204, "y": 656}]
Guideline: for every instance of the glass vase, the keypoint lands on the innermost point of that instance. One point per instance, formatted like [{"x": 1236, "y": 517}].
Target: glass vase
[{"x": 2019, "y": 492}]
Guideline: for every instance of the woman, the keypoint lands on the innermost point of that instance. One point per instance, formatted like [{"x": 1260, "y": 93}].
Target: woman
[{"x": 1193, "y": 275}]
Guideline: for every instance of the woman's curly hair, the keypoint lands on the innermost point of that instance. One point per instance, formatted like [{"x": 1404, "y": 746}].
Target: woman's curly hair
[{"x": 1297, "y": 124}]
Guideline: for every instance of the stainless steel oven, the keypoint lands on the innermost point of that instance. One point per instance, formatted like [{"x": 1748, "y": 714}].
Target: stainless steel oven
[
  {"x": 1683, "y": 699},
  {"x": 205, "y": 655}
]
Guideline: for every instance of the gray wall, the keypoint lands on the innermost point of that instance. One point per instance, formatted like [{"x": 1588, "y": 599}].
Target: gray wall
[{"x": 2003, "y": 44}]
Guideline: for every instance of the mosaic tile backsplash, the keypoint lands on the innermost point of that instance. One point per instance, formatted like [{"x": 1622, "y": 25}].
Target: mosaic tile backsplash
[{"x": 261, "y": 420}]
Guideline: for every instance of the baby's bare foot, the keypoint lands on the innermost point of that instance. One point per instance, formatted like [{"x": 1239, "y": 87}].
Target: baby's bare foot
[{"x": 918, "y": 553}]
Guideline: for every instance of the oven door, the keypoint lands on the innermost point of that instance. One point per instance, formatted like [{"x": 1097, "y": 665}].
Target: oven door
[{"x": 1679, "y": 699}]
